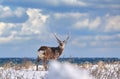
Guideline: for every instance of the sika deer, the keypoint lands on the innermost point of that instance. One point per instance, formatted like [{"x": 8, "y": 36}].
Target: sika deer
[{"x": 46, "y": 53}]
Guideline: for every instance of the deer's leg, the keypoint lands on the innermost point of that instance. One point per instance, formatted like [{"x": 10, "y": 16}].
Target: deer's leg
[
  {"x": 45, "y": 64},
  {"x": 37, "y": 60}
]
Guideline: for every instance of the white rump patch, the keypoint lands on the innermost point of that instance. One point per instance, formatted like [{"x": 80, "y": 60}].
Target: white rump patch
[{"x": 41, "y": 54}]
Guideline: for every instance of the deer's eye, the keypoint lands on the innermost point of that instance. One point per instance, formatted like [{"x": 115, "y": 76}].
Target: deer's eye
[{"x": 61, "y": 44}]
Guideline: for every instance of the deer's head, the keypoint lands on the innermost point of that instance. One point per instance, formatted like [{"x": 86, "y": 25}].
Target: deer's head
[{"x": 61, "y": 43}]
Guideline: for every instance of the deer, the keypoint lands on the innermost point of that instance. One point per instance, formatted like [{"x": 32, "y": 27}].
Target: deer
[{"x": 46, "y": 53}]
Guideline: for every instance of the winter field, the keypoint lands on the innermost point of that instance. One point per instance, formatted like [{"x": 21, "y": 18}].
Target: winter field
[{"x": 61, "y": 70}]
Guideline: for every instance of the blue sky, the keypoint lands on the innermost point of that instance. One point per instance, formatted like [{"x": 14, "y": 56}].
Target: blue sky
[{"x": 93, "y": 26}]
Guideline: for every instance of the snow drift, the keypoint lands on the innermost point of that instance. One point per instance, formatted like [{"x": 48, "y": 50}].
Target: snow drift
[{"x": 66, "y": 71}]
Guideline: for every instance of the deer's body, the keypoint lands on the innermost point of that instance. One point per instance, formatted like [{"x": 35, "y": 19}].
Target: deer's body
[
  {"x": 46, "y": 53},
  {"x": 49, "y": 52}
]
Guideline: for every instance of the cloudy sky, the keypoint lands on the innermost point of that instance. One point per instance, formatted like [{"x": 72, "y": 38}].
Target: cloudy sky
[{"x": 93, "y": 26}]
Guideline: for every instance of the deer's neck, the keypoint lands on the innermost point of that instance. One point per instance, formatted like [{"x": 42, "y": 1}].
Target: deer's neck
[{"x": 60, "y": 49}]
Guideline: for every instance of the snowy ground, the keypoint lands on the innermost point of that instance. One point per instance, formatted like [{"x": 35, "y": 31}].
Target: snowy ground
[
  {"x": 58, "y": 70},
  {"x": 30, "y": 73}
]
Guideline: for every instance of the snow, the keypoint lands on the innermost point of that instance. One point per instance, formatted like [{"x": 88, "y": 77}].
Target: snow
[
  {"x": 64, "y": 70},
  {"x": 21, "y": 74},
  {"x": 30, "y": 73}
]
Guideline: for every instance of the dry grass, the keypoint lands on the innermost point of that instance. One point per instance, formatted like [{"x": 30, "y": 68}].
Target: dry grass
[
  {"x": 106, "y": 70},
  {"x": 102, "y": 70},
  {"x": 86, "y": 65},
  {"x": 25, "y": 65},
  {"x": 8, "y": 65}
]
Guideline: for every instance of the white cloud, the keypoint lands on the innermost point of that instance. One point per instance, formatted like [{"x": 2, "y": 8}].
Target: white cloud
[
  {"x": 108, "y": 5},
  {"x": 71, "y": 15},
  {"x": 81, "y": 24},
  {"x": 97, "y": 41},
  {"x": 74, "y": 2},
  {"x": 6, "y": 11},
  {"x": 95, "y": 23},
  {"x": 19, "y": 12},
  {"x": 102, "y": 4},
  {"x": 7, "y": 33},
  {"x": 66, "y": 2},
  {"x": 106, "y": 23},
  {"x": 9, "y": 38},
  {"x": 1, "y": 28},
  {"x": 5, "y": 26},
  {"x": 112, "y": 23},
  {"x": 77, "y": 42},
  {"x": 35, "y": 25},
  {"x": 105, "y": 44},
  {"x": 87, "y": 23},
  {"x": 107, "y": 37},
  {"x": 5, "y": 39}
]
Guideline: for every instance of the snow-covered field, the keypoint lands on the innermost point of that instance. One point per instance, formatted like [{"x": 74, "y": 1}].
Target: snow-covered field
[{"x": 63, "y": 70}]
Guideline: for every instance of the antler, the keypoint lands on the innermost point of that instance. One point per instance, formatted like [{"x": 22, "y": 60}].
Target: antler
[
  {"x": 66, "y": 39},
  {"x": 57, "y": 38}
]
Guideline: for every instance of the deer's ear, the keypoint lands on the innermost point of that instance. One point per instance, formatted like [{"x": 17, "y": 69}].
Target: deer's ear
[{"x": 65, "y": 41}]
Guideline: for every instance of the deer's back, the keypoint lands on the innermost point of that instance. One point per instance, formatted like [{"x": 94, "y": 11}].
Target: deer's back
[{"x": 49, "y": 52}]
